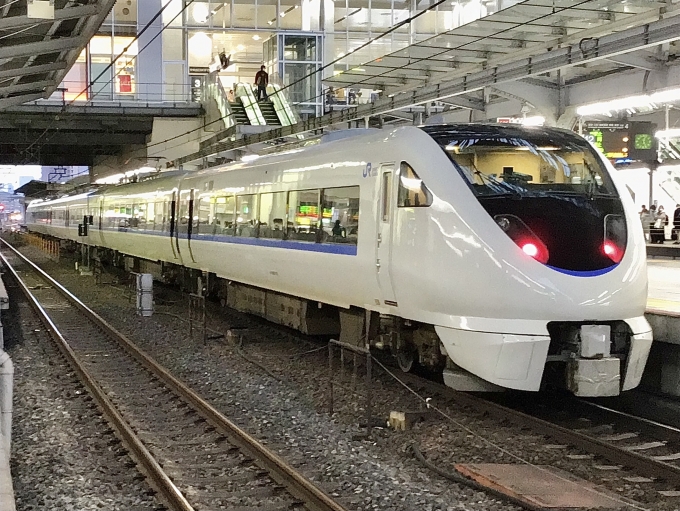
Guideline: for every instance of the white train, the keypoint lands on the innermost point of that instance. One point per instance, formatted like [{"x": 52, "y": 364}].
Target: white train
[{"x": 504, "y": 256}]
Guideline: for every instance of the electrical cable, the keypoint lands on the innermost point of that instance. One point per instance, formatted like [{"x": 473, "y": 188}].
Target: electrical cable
[
  {"x": 319, "y": 70},
  {"x": 470, "y": 483},
  {"x": 147, "y": 26},
  {"x": 395, "y": 27}
]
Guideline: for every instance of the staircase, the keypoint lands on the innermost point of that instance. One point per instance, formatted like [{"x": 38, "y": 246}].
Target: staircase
[
  {"x": 269, "y": 113},
  {"x": 238, "y": 112}
]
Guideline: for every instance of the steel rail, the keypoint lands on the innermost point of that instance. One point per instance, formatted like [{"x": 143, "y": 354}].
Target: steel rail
[
  {"x": 278, "y": 469},
  {"x": 159, "y": 479},
  {"x": 645, "y": 465}
]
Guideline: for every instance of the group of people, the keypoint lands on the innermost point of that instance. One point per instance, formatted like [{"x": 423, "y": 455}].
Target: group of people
[{"x": 654, "y": 221}]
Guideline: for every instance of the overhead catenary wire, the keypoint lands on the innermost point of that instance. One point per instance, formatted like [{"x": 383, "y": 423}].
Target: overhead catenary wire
[{"x": 392, "y": 29}]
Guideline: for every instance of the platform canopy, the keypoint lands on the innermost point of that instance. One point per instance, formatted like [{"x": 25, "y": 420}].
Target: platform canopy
[
  {"x": 528, "y": 28},
  {"x": 40, "y": 41}
]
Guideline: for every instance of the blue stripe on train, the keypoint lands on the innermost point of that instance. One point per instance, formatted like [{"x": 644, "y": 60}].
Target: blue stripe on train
[
  {"x": 308, "y": 246},
  {"x": 592, "y": 273}
]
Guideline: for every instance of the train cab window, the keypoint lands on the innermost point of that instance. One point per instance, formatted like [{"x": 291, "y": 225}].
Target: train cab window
[
  {"x": 246, "y": 216},
  {"x": 272, "y": 213},
  {"x": 303, "y": 215},
  {"x": 412, "y": 191},
  {"x": 223, "y": 221},
  {"x": 340, "y": 215}
]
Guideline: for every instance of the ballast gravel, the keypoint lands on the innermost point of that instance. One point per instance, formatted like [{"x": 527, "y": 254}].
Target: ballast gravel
[
  {"x": 332, "y": 452},
  {"x": 64, "y": 455}
]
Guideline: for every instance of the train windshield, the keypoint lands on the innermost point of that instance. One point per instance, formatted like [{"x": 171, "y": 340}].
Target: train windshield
[{"x": 500, "y": 161}]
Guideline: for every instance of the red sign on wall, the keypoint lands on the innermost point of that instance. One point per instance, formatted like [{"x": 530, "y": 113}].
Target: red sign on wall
[{"x": 125, "y": 82}]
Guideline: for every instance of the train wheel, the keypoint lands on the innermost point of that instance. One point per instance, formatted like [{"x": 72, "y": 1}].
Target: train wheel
[{"x": 406, "y": 358}]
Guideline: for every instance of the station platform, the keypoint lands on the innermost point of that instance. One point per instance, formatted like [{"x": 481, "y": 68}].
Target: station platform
[{"x": 664, "y": 285}]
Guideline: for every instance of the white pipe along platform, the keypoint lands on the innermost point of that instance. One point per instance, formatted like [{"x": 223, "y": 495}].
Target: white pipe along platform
[{"x": 6, "y": 390}]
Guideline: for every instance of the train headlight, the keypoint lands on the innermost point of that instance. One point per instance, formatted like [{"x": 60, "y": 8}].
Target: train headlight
[{"x": 524, "y": 237}]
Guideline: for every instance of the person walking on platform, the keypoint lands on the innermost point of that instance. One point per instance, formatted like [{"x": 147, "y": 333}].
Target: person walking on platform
[
  {"x": 262, "y": 80},
  {"x": 647, "y": 220},
  {"x": 675, "y": 234}
]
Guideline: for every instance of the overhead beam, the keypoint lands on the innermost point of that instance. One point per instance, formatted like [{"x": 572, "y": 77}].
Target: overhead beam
[
  {"x": 465, "y": 102},
  {"x": 67, "y": 13},
  {"x": 25, "y": 87},
  {"x": 32, "y": 70},
  {"x": 53, "y": 46},
  {"x": 90, "y": 27},
  {"x": 638, "y": 61}
]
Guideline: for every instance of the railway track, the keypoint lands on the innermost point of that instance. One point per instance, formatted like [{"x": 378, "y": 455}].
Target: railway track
[
  {"x": 194, "y": 457},
  {"x": 647, "y": 448}
]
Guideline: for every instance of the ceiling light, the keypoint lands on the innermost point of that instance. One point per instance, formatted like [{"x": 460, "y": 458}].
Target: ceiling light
[
  {"x": 240, "y": 47},
  {"x": 201, "y": 12},
  {"x": 630, "y": 104},
  {"x": 256, "y": 37}
]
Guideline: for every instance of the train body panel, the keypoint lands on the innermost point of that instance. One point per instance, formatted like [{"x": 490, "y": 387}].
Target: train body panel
[{"x": 446, "y": 263}]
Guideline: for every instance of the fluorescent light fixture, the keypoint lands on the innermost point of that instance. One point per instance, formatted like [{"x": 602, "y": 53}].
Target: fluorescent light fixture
[
  {"x": 670, "y": 133},
  {"x": 249, "y": 157},
  {"x": 536, "y": 120},
  {"x": 631, "y": 104}
]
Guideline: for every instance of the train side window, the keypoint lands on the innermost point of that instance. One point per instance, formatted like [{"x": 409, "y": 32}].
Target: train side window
[
  {"x": 412, "y": 191},
  {"x": 340, "y": 215},
  {"x": 272, "y": 214},
  {"x": 303, "y": 215},
  {"x": 246, "y": 216},
  {"x": 224, "y": 215},
  {"x": 205, "y": 211},
  {"x": 160, "y": 221}
]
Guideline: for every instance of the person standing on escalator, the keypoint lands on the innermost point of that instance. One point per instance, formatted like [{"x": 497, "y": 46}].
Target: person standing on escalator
[{"x": 262, "y": 80}]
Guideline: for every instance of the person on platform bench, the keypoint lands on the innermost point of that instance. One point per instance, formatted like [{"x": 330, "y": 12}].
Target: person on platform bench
[{"x": 261, "y": 80}]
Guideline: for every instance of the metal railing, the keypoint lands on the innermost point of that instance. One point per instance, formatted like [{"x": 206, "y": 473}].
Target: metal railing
[
  {"x": 98, "y": 93},
  {"x": 216, "y": 103}
]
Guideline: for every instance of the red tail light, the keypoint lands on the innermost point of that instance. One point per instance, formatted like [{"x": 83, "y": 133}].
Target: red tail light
[
  {"x": 614, "y": 237},
  {"x": 525, "y": 238},
  {"x": 612, "y": 251}
]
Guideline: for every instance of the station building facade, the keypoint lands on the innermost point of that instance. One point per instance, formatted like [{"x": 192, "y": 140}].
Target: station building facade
[{"x": 292, "y": 38}]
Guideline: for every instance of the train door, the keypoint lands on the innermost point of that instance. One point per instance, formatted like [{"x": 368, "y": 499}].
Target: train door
[
  {"x": 185, "y": 225},
  {"x": 384, "y": 220},
  {"x": 174, "y": 235},
  {"x": 99, "y": 219}
]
